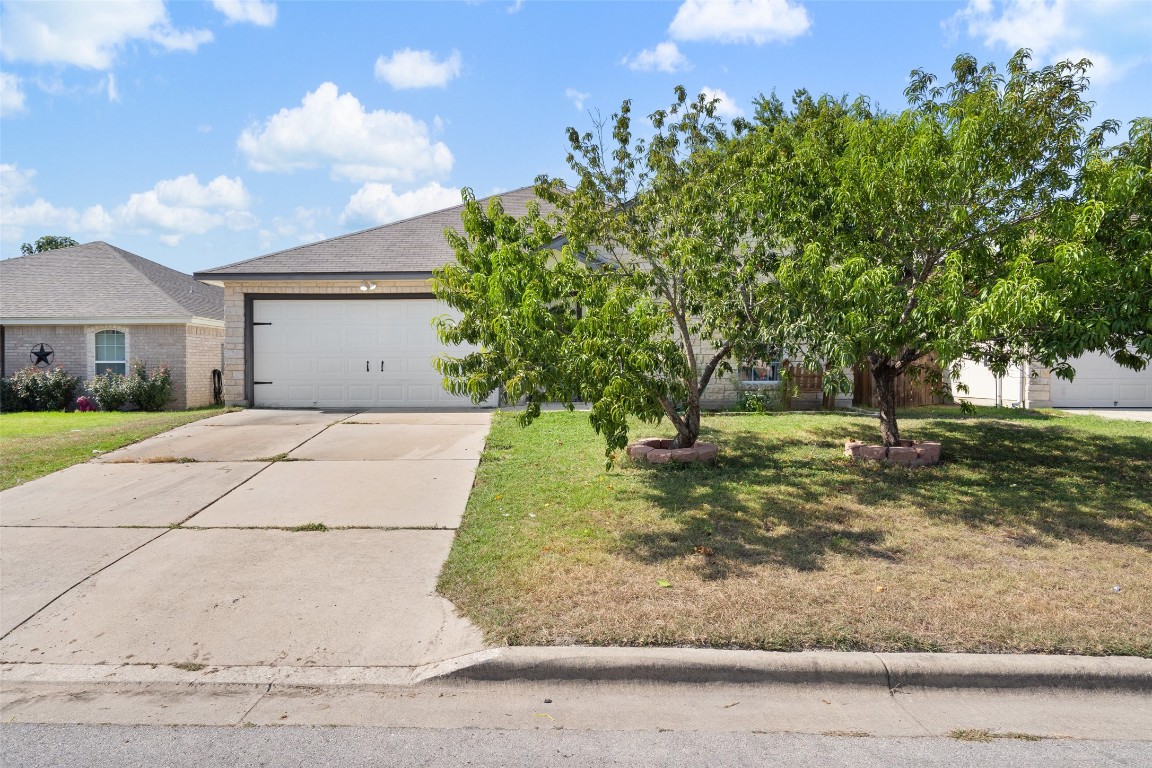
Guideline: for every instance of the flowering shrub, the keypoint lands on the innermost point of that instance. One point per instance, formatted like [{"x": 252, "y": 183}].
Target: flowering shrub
[
  {"x": 38, "y": 389},
  {"x": 147, "y": 391},
  {"x": 150, "y": 391},
  {"x": 110, "y": 390},
  {"x": 84, "y": 404}
]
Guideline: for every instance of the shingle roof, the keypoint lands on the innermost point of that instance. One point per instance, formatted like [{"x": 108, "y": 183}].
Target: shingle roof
[
  {"x": 101, "y": 280},
  {"x": 411, "y": 245}
]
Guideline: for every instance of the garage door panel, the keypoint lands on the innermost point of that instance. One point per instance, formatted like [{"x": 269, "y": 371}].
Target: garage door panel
[
  {"x": 1100, "y": 382},
  {"x": 1133, "y": 392},
  {"x": 329, "y": 393},
  {"x": 340, "y": 352}
]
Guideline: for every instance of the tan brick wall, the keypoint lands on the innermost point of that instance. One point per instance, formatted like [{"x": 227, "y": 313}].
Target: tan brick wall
[
  {"x": 234, "y": 320},
  {"x": 157, "y": 345},
  {"x": 67, "y": 341},
  {"x": 189, "y": 351}
]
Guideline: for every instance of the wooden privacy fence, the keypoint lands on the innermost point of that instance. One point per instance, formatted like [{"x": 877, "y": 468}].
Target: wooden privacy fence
[{"x": 909, "y": 391}]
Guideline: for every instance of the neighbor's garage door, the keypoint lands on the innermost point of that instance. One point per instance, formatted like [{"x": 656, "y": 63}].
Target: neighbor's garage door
[
  {"x": 376, "y": 352},
  {"x": 1101, "y": 383}
]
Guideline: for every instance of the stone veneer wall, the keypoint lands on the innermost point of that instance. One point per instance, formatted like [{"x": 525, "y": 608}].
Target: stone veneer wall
[
  {"x": 1039, "y": 387},
  {"x": 204, "y": 347},
  {"x": 234, "y": 320}
]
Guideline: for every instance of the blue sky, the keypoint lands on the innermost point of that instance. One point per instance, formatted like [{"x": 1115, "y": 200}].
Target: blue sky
[{"x": 201, "y": 133}]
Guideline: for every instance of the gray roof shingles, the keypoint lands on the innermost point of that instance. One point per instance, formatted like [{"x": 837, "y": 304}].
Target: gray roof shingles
[
  {"x": 412, "y": 245},
  {"x": 97, "y": 280}
]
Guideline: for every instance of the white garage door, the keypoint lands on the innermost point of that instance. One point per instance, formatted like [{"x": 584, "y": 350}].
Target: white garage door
[
  {"x": 309, "y": 353},
  {"x": 1101, "y": 383}
]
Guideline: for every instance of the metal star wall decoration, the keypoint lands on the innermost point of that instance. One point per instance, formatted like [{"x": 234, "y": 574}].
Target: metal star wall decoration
[{"x": 41, "y": 355}]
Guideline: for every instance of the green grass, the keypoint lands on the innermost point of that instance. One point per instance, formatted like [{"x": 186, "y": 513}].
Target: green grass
[
  {"x": 1013, "y": 544},
  {"x": 35, "y": 444}
]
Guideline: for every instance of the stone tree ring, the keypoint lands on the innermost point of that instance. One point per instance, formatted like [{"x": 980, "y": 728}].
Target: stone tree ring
[{"x": 41, "y": 355}]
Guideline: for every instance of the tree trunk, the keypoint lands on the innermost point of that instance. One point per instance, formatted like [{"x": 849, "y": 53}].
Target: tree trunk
[
  {"x": 688, "y": 428},
  {"x": 885, "y": 378}
]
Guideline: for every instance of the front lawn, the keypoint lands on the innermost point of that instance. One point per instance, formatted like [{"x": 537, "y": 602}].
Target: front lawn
[
  {"x": 34, "y": 444},
  {"x": 1015, "y": 543}
]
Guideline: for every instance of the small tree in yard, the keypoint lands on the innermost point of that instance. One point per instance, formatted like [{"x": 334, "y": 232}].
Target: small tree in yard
[
  {"x": 949, "y": 229},
  {"x": 652, "y": 294}
]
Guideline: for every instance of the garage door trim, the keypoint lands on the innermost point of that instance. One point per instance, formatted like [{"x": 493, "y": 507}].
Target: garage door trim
[{"x": 249, "y": 341}]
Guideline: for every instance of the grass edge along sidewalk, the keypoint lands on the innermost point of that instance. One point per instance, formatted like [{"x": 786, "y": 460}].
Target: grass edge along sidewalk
[
  {"x": 34, "y": 444},
  {"x": 1033, "y": 536}
]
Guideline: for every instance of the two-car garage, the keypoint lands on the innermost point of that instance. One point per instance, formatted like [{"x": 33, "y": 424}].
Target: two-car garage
[{"x": 371, "y": 351}]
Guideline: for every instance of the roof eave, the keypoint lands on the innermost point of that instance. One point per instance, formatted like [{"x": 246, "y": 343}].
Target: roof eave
[
  {"x": 115, "y": 320},
  {"x": 220, "y": 277}
]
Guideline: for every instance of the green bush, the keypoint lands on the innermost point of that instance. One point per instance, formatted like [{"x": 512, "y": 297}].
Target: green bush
[
  {"x": 110, "y": 391},
  {"x": 38, "y": 389},
  {"x": 144, "y": 390},
  {"x": 10, "y": 399},
  {"x": 150, "y": 391}
]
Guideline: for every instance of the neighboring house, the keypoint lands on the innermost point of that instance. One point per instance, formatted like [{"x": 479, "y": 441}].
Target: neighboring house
[
  {"x": 94, "y": 307},
  {"x": 1099, "y": 383}
]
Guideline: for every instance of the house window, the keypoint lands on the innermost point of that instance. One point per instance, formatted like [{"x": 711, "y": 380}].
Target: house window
[
  {"x": 110, "y": 352},
  {"x": 760, "y": 372}
]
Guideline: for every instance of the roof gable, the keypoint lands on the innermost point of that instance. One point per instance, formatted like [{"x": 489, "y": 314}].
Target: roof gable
[
  {"x": 414, "y": 245},
  {"x": 100, "y": 280}
]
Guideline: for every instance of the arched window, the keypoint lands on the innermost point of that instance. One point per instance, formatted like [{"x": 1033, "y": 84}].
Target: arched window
[{"x": 110, "y": 352}]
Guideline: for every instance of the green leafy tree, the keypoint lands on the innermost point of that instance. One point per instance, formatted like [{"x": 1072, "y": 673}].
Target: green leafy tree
[
  {"x": 943, "y": 231},
  {"x": 1101, "y": 266},
  {"x": 47, "y": 243},
  {"x": 635, "y": 293}
]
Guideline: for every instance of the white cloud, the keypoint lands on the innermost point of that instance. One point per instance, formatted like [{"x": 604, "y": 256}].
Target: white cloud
[
  {"x": 1105, "y": 70},
  {"x": 417, "y": 69},
  {"x": 301, "y": 227},
  {"x": 90, "y": 34},
  {"x": 11, "y": 95},
  {"x": 330, "y": 129},
  {"x": 727, "y": 107},
  {"x": 576, "y": 97},
  {"x": 110, "y": 87},
  {"x": 172, "y": 209},
  {"x": 665, "y": 57},
  {"x": 1113, "y": 35},
  {"x": 182, "y": 206},
  {"x": 39, "y": 214},
  {"x": 376, "y": 203},
  {"x": 14, "y": 184},
  {"x": 516, "y": 6},
  {"x": 740, "y": 21},
  {"x": 1035, "y": 24},
  {"x": 257, "y": 12}
]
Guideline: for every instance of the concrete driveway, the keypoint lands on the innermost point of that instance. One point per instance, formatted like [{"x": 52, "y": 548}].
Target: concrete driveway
[
  {"x": 180, "y": 552},
  {"x": 1126, "y": 414}
]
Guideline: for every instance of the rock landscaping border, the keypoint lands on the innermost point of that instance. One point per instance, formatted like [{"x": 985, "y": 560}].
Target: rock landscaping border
[
  {"x": 658, "y": 450},
  {"x": 909, "y": 453}
]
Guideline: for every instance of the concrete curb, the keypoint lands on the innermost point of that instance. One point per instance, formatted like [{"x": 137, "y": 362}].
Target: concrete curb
[
  {"x": 888, "y": 670},
  {"x": 885, "y": 671}
]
